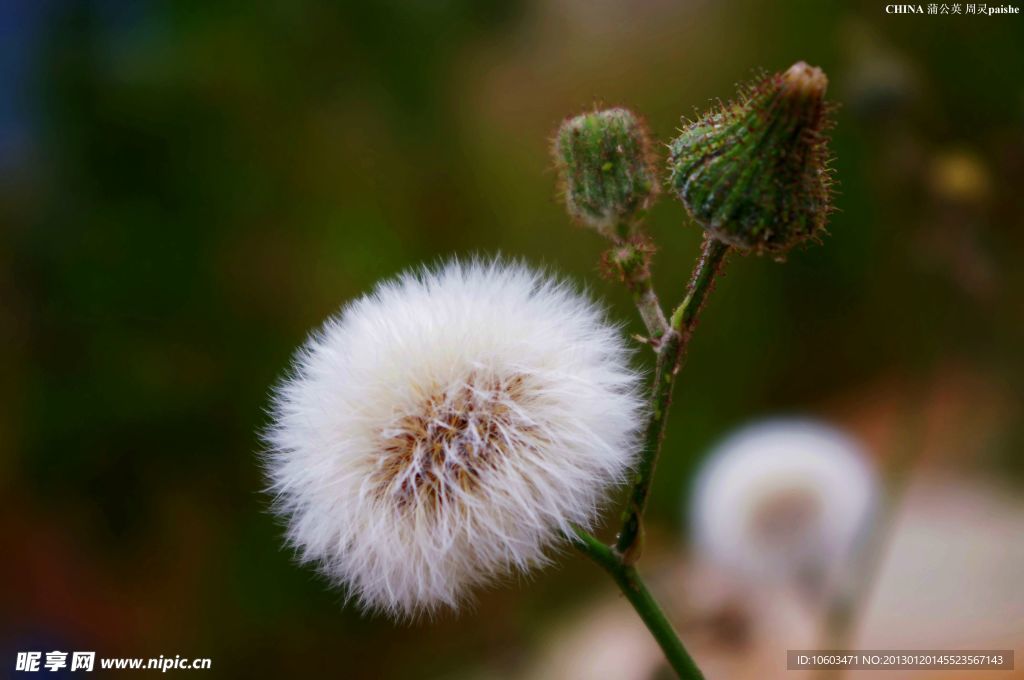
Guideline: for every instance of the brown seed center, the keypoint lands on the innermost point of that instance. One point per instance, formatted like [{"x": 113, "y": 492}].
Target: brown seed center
[{"x": 440, "y": 450}]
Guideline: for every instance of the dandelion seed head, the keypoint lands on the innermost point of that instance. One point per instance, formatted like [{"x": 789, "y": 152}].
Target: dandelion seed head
[
  {"x": 783, "y": 501},
  {"x": 447, "y": 430}
]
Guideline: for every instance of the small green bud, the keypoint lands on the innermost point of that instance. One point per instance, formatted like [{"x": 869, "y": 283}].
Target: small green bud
[
  {"x": 605, "y": 164},
  {"x": 754, "y": 174}
]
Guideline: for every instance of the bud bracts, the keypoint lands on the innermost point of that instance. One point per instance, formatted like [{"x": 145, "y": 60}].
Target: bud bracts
[
  {"x": 754, "y": 173},
  {"x": 605, "y": 162}
]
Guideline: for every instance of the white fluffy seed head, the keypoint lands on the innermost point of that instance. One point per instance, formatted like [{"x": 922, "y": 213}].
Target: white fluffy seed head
[
  {"x": 447, "y": 429},
  {"x": 783, "y": 501}
]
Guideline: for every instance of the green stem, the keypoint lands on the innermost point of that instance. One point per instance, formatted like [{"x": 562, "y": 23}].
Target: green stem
[
  {"x": 632, "y": 586},
  {"x": 632, "y": 259},
  {"x": 650, "y": 310},
  {"x": 712, "y": 257},
  {"x": 619, "y": 560},
  {"x": 671, "y": 352},
  {"x": 629, "y": 541}
]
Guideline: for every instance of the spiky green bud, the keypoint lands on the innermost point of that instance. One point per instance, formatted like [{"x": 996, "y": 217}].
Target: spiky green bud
[
  {"x": 605, "y": 163},
  {"x": 754, "y": 173}
]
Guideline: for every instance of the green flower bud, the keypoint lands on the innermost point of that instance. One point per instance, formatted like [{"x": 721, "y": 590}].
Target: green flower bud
[
  {"x": 605, "y": 163},
  {"x": 754, "y": 174}
]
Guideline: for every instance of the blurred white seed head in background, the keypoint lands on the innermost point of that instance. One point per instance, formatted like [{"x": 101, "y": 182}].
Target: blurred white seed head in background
[
  {"x": 783, "y": 501},
  {"x": 447, "y": 429}
]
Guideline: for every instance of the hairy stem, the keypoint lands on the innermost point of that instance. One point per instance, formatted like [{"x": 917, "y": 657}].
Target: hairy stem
[
  {"x": 671, "y": 353},
  {"x": 650, "y": 309},
  {"x": 631, "y": 257},
  {"x": 712, "y": 257},
  {"x": 631, "y": 585},
  {"x": 672, "y": 338},
  {"x": 630, "y": 539}
]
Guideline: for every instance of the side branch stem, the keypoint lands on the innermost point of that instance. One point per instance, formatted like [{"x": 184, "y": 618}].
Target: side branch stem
[
  {"x": 631, "y": 257},
  {"x": 650, "y": 310},
  {"x": 671, "y": 353}
]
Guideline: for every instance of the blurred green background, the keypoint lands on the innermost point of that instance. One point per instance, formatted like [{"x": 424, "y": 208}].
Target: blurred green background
[{"x": 187, "y": 189}]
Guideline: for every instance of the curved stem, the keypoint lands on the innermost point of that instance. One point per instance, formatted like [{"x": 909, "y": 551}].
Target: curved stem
[
  {"x": 631, "y": 585},
  {"x": 671, "y": 352},
  {"x": 618, "y": 561}
]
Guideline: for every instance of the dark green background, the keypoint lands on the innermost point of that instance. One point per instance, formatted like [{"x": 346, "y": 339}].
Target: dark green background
[{"x": 199, "y": 186}]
